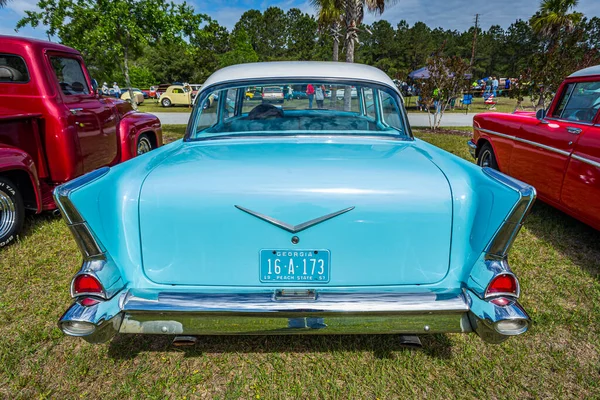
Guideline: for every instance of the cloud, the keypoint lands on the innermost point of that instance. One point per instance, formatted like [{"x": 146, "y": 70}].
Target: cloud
[{"x": 20, "y": 6}]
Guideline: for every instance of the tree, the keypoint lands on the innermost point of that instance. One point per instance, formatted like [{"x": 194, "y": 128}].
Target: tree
[
  {"x": 447, "y": 81},
  {"x": 112, "y": 32},
  {"x": 330, "y": 18},
  {"x": 3, "y": 3},
  {"x": 241, "y": 52},
  {"x": 301, "y": 35},
  {"x": 553, "y": 18}
]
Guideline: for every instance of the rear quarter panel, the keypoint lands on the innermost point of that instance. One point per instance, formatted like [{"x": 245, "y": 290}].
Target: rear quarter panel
[{"x": 480, "y": 206}]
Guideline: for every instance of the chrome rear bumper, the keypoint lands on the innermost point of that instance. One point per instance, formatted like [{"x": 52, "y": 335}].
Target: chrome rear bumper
[{"x": 150, "y": 312}]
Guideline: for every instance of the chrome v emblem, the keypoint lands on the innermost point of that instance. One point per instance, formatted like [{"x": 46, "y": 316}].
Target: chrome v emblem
[{"x": 294, "y": 228}]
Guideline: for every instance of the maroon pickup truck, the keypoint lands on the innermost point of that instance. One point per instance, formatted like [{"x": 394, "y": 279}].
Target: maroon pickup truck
[{"x": 54, "y": 127}]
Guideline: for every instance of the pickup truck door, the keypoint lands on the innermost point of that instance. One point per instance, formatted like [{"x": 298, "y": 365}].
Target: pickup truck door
[
  {"x": 581, "y": 187},
  {"x": 94, "y": 118}
]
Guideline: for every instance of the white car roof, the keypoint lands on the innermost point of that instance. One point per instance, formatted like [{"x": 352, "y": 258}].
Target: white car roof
[
  {"x": 591, "y": 71},
  {"x": 299, "y": 70}
]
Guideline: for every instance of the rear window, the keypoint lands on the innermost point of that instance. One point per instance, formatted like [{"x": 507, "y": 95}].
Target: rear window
[
  {"x": 336, "y": 108},
  {"x": 13, "y": 69}
]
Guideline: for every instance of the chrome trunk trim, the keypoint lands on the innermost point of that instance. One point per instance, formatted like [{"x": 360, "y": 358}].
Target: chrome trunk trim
[{"x": 294, "y": 228}]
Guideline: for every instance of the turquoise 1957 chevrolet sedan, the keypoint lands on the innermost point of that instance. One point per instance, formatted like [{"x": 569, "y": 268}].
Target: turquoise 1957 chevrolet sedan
[{"x": 322, "y": 215}]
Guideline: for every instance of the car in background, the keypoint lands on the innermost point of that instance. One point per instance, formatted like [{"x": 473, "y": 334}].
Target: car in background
[
  {"x": 176, "y": 95},
  {"x": 556, "y": 150},
  {"x": 254, "y": 94},
  {"x": 160, "y": 89},
  {"x": 299, "y": 94},
  {"x": 273, "y": 94},
  {"x": 137, "y": 93},
  {"x": 340, "y": 93},
  {"x": 272, "y": 219}
]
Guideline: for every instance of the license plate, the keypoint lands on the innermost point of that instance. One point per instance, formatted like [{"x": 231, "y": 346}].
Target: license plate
[{"x": 294, "y": 266}]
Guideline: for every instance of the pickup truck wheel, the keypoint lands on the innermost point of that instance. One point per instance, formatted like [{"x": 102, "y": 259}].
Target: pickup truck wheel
[
  {"x": 144, "y": 144},
  {"x": 166, "y": 102},
  {"x": 12, "y": 211},
  {"x": 487, "y": 158}
]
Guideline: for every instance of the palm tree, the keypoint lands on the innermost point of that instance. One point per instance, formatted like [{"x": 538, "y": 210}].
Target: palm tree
[
  {"x": 354, "y": 12},
  {"x": 330, "y": 17},
  {"x": 3, "y": 3},
  {"x": 554, "y": 17}
]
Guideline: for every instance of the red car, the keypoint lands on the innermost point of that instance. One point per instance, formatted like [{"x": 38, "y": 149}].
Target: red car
[
  {"x": 55, "y": 127},
  {"x": 557, "y": 151}
]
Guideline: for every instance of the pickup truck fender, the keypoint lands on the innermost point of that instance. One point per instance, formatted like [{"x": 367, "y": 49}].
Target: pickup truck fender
[
  {"x": 19, "y": 167},
  {"x": 134, "y": 124}
]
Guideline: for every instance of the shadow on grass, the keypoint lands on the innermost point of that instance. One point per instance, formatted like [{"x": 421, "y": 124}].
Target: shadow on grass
[
  {"x": 382, "y": 346},
  {"x": 33, "y": 221},
  {"x": 572, "y": 238}
]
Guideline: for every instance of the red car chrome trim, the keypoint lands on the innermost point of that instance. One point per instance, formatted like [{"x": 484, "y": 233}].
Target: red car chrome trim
[
  {"x": 586, "y": 160},
  {"x": 536, "y": 144}
]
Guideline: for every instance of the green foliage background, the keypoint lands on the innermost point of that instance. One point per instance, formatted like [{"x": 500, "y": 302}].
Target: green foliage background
[{"x": 172, "y": 42}]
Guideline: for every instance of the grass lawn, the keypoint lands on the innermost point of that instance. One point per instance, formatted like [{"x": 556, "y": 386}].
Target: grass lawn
[
  {"x": 556, "y": 258},
  {"x": 152, "y": 106}
]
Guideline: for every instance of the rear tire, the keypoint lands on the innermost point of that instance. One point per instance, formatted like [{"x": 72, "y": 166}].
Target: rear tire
[
  {"x": 144, "y": 145},
  {"x": 165, "y": 102},
  {"x": 486, "y": 157},
  {"x": 12, "y": 212}
]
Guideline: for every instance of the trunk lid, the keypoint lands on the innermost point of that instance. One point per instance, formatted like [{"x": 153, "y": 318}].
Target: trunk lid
[{"x": 398, "y": 232}]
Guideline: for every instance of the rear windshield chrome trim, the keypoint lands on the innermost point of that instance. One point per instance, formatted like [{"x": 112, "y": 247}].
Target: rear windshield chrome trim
[{"x": 295, "y": 135}]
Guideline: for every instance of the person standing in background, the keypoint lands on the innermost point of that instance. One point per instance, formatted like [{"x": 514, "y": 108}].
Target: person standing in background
[
  {"x": 105, "y": 89},
  {"x": 495, "y": 86},
  {"x": 310, "y": 92},
  {"x": 117, "y": 90},
  {"x": 320, "y": 95},
  {"x": 290, "y": 93}
]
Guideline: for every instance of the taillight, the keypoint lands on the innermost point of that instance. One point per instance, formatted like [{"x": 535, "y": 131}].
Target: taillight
[
  {"x": 504, "y": 284},
  {"x": 87, "y": 284}
]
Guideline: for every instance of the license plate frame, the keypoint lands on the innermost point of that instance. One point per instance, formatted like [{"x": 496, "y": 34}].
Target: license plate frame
[{"x": 299, "y": 259}]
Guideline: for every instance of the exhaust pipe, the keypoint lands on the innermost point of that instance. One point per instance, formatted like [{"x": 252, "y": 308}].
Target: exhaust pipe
[
  {"x": 410, "y": 341},
  {"x": 184, "y": 341}
]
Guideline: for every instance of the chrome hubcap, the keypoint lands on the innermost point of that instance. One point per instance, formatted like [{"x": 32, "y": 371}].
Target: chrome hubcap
[
  {"x": 8, "y": 214},
  {"x": 143, "y": 146}
]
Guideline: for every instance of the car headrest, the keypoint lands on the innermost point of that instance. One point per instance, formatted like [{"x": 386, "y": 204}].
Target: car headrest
[{"x": 9, "y": 74}]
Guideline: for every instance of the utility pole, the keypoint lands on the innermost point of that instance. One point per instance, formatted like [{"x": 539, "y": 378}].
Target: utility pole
[{"x": 474, "y": 41}]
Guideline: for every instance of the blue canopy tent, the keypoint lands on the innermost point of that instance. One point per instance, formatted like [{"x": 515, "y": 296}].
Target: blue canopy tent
[{"x": 421, "y": 73}]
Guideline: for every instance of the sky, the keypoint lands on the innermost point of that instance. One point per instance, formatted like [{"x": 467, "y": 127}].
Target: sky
[{"x": 448, "y": 14}]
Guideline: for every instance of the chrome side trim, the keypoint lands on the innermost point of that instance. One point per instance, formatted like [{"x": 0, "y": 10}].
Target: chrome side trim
[
  {"x": 500, "y": 244},
  {"x": 496, "y": 133},
  {"x": 294, "y": 228},
  {"x": 529, "y": 142},
  {"x": 586, "y": 160}
]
